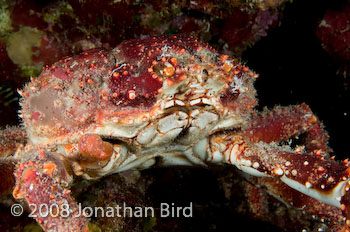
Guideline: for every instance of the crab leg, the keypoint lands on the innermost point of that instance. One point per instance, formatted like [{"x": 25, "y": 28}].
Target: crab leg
[
  {"x": 283, "y": 123},
  {"x": 10, "y": 139},
  {"x": 325, "y": 180},
  {"x": 327, "y": 214},
  {"x": 43, "y": 182},
  {"x": 255, "y": 151},
  {"x": 269, "y": 199}
]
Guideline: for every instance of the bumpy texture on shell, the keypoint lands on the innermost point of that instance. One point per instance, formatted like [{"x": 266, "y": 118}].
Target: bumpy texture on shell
[{"x": 133, "y": 83}]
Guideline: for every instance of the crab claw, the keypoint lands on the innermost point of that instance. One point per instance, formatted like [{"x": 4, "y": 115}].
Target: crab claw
[
  {"x": 345, "y": 206},
  {"x": 94, "y": 154},
  {"x": 315, "y": 176},
  {"x": 258, "y": 151},
  {"x": 43, "y": 182},
  {"x": 328, "y": 216},
  {"x": 98, "y": 158},
  {"x": 92, "y": 147}
]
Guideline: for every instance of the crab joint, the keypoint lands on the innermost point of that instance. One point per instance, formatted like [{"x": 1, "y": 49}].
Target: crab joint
[
  {"x": 92, "y": 147},
  {"x": 49, "y": 168}
]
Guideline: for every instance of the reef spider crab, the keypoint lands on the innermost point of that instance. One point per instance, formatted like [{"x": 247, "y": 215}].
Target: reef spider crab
[{"x": 163, "y": 101}]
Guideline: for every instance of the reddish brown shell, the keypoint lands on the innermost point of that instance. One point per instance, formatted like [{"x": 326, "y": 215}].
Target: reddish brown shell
[{"x": 86, "y": 89}]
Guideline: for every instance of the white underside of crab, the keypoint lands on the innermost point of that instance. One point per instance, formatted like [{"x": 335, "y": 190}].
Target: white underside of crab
[
  {"x": 155, "y": 144},
  {"x": 155, "y": 140}
]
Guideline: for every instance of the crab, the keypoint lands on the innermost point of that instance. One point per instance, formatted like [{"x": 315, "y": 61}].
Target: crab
[{"x": 163, "y": 101}]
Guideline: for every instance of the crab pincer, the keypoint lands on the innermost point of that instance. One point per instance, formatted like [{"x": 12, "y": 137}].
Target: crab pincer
[
  {"x": 303, "y": 176},
  {"x": 43, "y": 182},
  {"x": 91, "y": 146}
]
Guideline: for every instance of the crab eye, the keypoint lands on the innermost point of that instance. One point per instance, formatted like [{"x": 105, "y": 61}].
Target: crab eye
[
  {"x": 168, "y": 70},
  {"x": 164, "y": 69}
]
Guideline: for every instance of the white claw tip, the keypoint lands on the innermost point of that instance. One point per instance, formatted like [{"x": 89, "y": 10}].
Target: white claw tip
[{"x": 308, "y": 184}]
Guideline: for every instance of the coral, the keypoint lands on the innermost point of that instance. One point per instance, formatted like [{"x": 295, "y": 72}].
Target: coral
[
  {"x": 243, "y": 28},
  {"x": 334, "y": 34}
]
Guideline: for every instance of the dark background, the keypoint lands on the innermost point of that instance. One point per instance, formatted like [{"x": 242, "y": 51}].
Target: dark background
[{"x": 294, "y": 68}]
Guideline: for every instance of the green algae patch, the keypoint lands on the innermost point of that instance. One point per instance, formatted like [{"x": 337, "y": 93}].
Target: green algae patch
[
  {"x": 149, "y": 224},
  {"x": 94, "y": 228},
  {"x": 32, "y": 228},
  {"x": 20, "y": 46}
]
